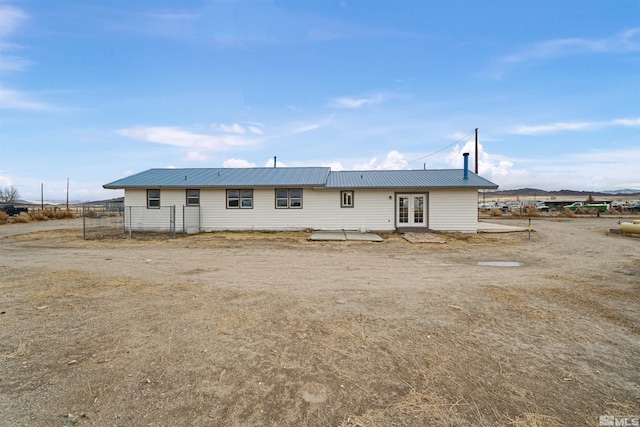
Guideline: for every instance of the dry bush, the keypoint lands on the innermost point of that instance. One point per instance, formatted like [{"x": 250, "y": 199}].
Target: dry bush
[
  {"x": 532, "y": 211},
  {"x": 3, "y": 217},
  {"x": 48, "y": 213},
  {"x": 567, "y": 213},
  {"x": 495, "y": 212},
  {"x": 64, "y": 214},
  {"x": 38, "y": 216},
  {"x": 91, "y": 214},
  {"x": 585, "y": 211},
  {"x": 22, "y": 218}
]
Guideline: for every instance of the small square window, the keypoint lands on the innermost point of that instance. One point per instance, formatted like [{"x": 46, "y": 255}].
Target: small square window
[
  {"x": 346, "y": 199},
  {"x": 193, "y": 197},
  {"x": 153, "y": 199}
]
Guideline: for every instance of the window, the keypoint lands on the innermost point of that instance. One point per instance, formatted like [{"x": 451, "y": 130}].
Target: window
[
  {"x": 346, "y": 199},
  {"x": 193, "y": 197},
  {"x": 239, "y": 199},
  {"x": 289, "y": 198},
  {"x": 153, "y": 199}
]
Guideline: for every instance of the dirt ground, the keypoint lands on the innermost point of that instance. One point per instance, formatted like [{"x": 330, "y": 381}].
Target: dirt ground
[{"x": 266, "y": 329}]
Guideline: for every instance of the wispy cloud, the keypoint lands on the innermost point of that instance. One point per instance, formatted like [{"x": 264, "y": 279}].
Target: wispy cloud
[
  {"x": 10, "y": 19},
  {"x": 571, "y": 126},
  {"x": 184, "y": 138},
  {"x": 349, "y": 102},
  {"x": 625, "y": 41},
  {"x": 393, "y": 161},
  {"x": 16, "y": 100}
]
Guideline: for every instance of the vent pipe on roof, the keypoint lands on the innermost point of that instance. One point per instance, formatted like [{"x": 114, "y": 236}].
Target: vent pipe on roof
[
  {"x": 274, "y": 161},
  {"x": 466, "y": 165}
]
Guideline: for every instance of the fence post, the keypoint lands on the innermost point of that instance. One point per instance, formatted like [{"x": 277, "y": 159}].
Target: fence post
[
  {"x": 172, "y": 221},
  {"x": 84, "y": 224}
]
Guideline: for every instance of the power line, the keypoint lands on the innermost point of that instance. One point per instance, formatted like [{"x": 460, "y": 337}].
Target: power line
[{"x": 443, "y": 148}]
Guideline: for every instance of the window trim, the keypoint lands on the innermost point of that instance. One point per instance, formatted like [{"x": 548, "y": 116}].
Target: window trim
[
  {"x": 343, "y": 193},
  {"x": 289, "y": 198},
  {"x": 187, "y": 197},
  {"x": 240, "y": 199},
  {"x": 150, "y": 205}
]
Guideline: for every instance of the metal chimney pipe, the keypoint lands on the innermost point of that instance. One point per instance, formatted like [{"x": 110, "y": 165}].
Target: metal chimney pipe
[
  {"x": 274, "y": 161},
  {"x": 466, "y": 165}
]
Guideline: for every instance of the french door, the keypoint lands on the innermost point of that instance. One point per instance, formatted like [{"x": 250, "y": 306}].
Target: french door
[{"x": 410, "y": 210}]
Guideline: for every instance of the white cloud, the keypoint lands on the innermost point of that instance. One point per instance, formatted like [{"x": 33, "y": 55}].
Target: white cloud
[
  {"x": 15, "y": 100},
  {"x": 10, "y": 19},
  {"x": 269, "y": 164},
  {"x": 348, "y": 102},
  {"x": 393, "y": 161},
  {"x": 570, "y": 126},
  {"x": 256, "y": 130},
  {"x": 495, "y": 168},
  {"x": 183, "y": 138},
  {"x": 195, "y": 156},
  {"x": 5, "y": 181},
  {"x": 237, "y": 163},
  {"x": 234, "y": 128},
  {"x": 625, "y": 41},
  {"x": 305, "y": 128},
  {"x": 335, "y": 166}
]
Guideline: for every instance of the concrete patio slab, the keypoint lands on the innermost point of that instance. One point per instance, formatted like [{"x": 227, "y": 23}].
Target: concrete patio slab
[{"x": 364, "y": 237}]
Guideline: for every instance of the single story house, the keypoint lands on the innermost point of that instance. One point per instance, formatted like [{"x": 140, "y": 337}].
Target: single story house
[{"x": 217, "y": 199}]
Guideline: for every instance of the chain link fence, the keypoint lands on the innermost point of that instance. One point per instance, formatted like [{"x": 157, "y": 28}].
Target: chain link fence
[{"x": 139, "y": 221}]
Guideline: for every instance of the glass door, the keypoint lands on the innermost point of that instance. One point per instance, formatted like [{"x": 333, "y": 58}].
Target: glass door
[{"x": 411, "y": 210}]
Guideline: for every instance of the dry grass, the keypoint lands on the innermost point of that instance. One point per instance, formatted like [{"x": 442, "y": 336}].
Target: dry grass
[
  {"x": 567, "y": 213},
  {"x": 3, "y": 217},
  {"x": 21, "y": 219},
  {"x": 495, "y": 212}
]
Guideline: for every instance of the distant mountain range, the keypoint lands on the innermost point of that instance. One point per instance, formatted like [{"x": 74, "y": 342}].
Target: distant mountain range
[{"x": 535, "y": 192}]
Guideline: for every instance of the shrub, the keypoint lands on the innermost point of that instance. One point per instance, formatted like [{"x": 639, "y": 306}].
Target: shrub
[
  {"x": 3, "y": 217},
  {"x": 567, "y": 213},
  {"x": 48, "y": 213},
  {"x": 495, "y": 212},
  {"x": 38, "y": 216},
  {"x": 91, "y": 214},
  {"x": 64, "y": 214},
  {"x": 22, "y": 218},
  {"x": 532, "y": 211}
]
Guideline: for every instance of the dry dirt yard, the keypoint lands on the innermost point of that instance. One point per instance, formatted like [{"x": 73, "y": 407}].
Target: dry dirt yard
[{"x": 266, "y": 329}]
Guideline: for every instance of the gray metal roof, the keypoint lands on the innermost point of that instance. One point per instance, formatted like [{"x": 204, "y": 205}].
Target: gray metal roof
[
  {"x": 434, "y": 178},
  {"x": 318, "y": 177},
  {"x": 224, "y": 177}
]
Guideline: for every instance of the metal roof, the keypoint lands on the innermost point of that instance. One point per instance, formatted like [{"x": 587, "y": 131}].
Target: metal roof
[
  {"x": 318, "y": 177},
  {"x": 224, "y": 177},
  {"x": 433, "y": 178}
]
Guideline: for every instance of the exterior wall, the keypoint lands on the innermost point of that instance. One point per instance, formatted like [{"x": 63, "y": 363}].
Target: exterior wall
[
  {"x": 453, "y": 210},
  {"x": 374, "y": 210}
]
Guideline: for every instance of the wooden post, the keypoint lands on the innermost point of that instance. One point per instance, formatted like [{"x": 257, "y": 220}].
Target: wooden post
[{"x": 476, "y": 150}]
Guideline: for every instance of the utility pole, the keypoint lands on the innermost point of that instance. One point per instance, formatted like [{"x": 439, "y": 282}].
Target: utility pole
[
  {"x": 476, "y": 150},
  {"x": 67, "y": 193},
  {"x": 42, "y": 196}
]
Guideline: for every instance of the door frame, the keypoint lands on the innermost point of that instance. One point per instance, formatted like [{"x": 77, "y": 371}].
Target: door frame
[{"x": 425, "y": 208}]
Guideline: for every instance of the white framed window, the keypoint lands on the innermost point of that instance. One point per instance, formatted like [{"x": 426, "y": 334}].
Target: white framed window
[
  {"x": 153, "y": 199},
  {"x": 193, "y": 197},
  {"x": 290, "y": 198},
  {"x": 239, "y": 199},
  {"x": 346, "y": 199}
]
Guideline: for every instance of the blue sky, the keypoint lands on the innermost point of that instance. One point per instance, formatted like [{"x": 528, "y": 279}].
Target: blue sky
[{"x": 92, "y": 91}]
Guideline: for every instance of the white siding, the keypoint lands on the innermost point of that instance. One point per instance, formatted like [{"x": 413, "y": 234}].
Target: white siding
[
  {"x": 454, "y": 210},
  {"x": 374, "y": 210}
]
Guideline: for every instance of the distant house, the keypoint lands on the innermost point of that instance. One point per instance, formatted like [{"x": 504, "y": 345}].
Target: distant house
[{"x": 219, "y": 199}]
